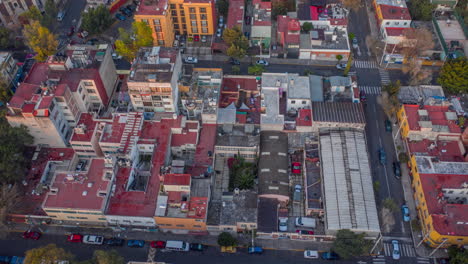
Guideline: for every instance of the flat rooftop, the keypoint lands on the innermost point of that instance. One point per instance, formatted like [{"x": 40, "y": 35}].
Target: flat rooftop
[
  {"x": 432, "y": 118},
  {"x": 87, "y": 125},
  {"x": 421, "y": 93},
  {"x": 452, "y": 150},
  {"x": 238, "y": 135},
  {"x": 239, "y": 208},
  {"x": 338, "y": 112},
  {"x": 325, "y": 39},
  {"x": 313, "y": 178},
  {"x": 451, "y": 31},
  {"x": 433, "y": 165},
  {"x": 272, "y": 114}
]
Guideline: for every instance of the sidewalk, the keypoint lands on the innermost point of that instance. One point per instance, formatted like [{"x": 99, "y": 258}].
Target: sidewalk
[{"x": 225, "y": 58}]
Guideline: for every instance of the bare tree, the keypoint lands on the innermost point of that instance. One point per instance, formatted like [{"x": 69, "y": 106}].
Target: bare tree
[
  {"x": 376, "y": 46},
  {"x": 417, "y": 74},
  {"x": 389, "y": 104},
  {"x": 417, "y": 41},
  {"x": 9, "y": 199},
  {"x": 352, "y": 4}
]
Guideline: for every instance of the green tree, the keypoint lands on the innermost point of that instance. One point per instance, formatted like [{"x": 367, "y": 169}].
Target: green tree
[
  {"x": 256, "y": 70},
  {"x": 307, "y": 26},
  {"x": 107, "y": 257},
  {"x": 225, "y": 239},
  {"x": 454, "y": 76},
  {"x": 393, "y": 88},
  {"x": 5, "y": 92},
  {"x": 403, "y": 157},
  {"x": 96, "y": 20},
  {"x": 232, "y": 35},
  {"x": 421, "y": 9},
  {"x": 128, "y": 44},
  {"x": 349, "y": 244},
  {"x": 9, "y": 200},
  {"x": 5, "y": 38},
  {"x": 143, "y": 34},
  {"x": 40, "y": 39},
  {"x": 236, "y": 52},
  {"x": 223, "y": 7},
  {"x": 278, "y": 9},
  {"x": 235, "y": 70},
  {"x": 33, "y": 14},
  {"x": 461, "y": 121},
  {"x": 351, "y": 36},
  {"x": 348, "y": 66},
  {"x": 458, "y": 255},
  {"x": 49, "y": 254},
  {"x": 339, "y": 57},
  {"x": 308, "y": 72},
  {"x": 50, "y": 13},
  {"x": 390, "y": 204}
]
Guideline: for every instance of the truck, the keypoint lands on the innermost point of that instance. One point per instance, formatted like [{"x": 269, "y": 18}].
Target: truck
[{"x": 305, "y": 222}]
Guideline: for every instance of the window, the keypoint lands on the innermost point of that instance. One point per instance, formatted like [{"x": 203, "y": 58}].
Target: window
[
  {"x": 304, "y": 102},
  {"x": 397, "y": 23},
  {"x": 202, "y": 10},
  {"x": 157, "y": 29},
  {"x": 204, "y": 23},
  {"x": 184, "y": 27},
  {"x": 192, "y": 10},
  {"x": 91, "y": 90},
  {"x": 194, "y": 23},
  {"x": 83, "y": 97},
  {"x": 193, "y": 16},
  {"x": 156, "y": 98},
  {"x": 183, "y": 20},
  {"x": 174, "y": 13},
  {"x": 203, "y": 17},
  {"x": 160, "y": 42},
  {"x": 204, "y": 30},
  {"x": 88, "y": 83},
  {"x": 174, "y": 20},
  {"x": 182, "y": 13},
  {"x": 388, "y": 23},
  {"x": 102, "y": 219},
  {"x": 176, "y": 26},
  {"x": 59, "y": 99},
  {"x": 406, "y": 23},
  {"x": 173, "y": 6},
  {"x": 195, "y": 30},
  {"x": 145, "y": 20},
  {"x": 156, "y": 22},
  {"x": 80, "y": 89},
  {"x": 180, "y": 225},
  {"x": 293, "y": 102},
  {"x": 159, "y": 35}
]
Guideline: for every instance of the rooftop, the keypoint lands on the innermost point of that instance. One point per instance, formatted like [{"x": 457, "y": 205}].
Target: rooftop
[
  {"x": 289, "y": 29},
  {"x": 444, "y": 150},
  {"x": 331, "y": 11},
  {"x": 446, "y": 200},
  {"x": 239, "y": 208},
  {"x": 397, "y": 3},
  {"x": 313, "y": 178},
  {"x": 394, "y": 32},
  {"x": 81, "y": 191},
  {"x": 346, "y": 170},
  {"x": 235, "y": 14},
  {"x": 177, "y": 179},
  {"x": 153, "y": 64},
  {"x": 426, "y": 94},
  {"x": 204, "y": 91},
  {"x": 238, "y": 135},
  {"x": 151, "y": 7},
  {"x": 271, "y": 101},
  {"x": 395, "y": 12},
  {"x": 84, "y": 130},
  {"x": 432, "y": 119},
  {"x": 316, "y": 88},
  {"x": 262, "y": 13},
  {"x": 205, "y": 147},
  {"x": 338, "y": 112},
  {"x": 326, "y": 38},
  {"x": 433, "y": 165},
  {"x": 298, "y": 87},
  {"x": 450, "y": 29},
  {"x": 267, "y": 215}
]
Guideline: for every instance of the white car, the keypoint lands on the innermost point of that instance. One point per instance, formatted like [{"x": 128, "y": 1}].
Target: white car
[
  {"x": 263, "y": 62},
  {"x": 191, "y": 60},
  {"x": 341, "y": 66},
  {"x": 92, "y": 239},
  {"x": 219, "y": 32},
  {"x": 396, "y": 249},
  {"x": 283, "y": 224},
  {"x": 203, "y": 38},
  {"x": 311, "y": 254},
  {"x": 298, "y": 188}
]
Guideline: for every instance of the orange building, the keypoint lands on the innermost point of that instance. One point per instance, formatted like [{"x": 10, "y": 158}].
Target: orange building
[{"x": 168, "y": 18}]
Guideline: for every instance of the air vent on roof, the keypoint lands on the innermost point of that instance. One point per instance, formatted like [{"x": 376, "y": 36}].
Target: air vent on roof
[{"x": 84, "y": 193}]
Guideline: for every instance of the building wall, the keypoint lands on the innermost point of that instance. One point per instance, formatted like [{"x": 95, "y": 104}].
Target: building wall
[
  {"x": 64, "y": 214},
  {"x": 108, "y": 73},
  {"x": 121, "y": 220},
  {"x": 316, "y": 54},
  {"x": 298, "y": 103},
  {"x": 180, "y": 223},
  {"x": 162, "y": 27},
  {"x": 11, "y": 9},
  {"x": 41, "y": 128},
  {"x": 8, "y": 68},
  {"x": 230, "y": 151},
  {"x": 401, "y": 115}
]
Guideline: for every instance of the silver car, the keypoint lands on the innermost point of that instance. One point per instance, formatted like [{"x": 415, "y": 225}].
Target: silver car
[
  {"x": 396, "y": 249},
  {"x": 191, "y": 60}
]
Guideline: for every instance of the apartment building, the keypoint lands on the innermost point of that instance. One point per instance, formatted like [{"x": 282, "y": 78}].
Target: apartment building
[
  {"x": 170, "y": 18},
  {"x": 153, "y": 80},
  {"x": 11, "y": 9},
  {"x": 8, "y": 68}
]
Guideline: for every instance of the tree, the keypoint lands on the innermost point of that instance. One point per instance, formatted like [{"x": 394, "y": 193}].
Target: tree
[
  {"x": 390, "y": 204},
  {"x": 5, "y": 38},
  {"x": 128, "y": 44},
  {"x": 143, "y": 34},
  {"x": 256, "y": 70},
  {"x": 223, "y": 7},
  {"x": 50, "y": 13},
  {"x": 232, "y": 35},
  {"x": 236, "y": 52},
  {"x": 349, "y": 244},
  {"x": 33, "y": 14},
  {"x": 307, "y": 26},
  {"x": 9, "y": 200},
  {"x": 49, "y": 254},
  {"x": 40, "y": 40},
  {"x": 278, "y": 9},
  {"x": 421, "y": 9},
  {"x": 107, "y": 257},
  {"x": 417, "y": 41},
  {"x": 454, "y": 76},
  {"x": 235, "y": 70},
  {"x": 225, "y": 239},
  {"x": 5, "y": 92},
  {"x": 392, "y": 88},
  {"x": 339, "y": 57},
  {"x": 352, "y": 4},
  {"x": 308, "y": 72},
  {"x": 12, "y": 146},
  {"x": 417, "y": 75},
  {"x": 97, "y": 20},
  {"x": 403, "y": 157},
  {"x": 458, "y": 255}
]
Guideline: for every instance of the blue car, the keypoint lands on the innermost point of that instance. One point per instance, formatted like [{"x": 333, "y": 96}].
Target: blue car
[
  {"x": 120, "y": 17},
  {"x": 330, "y": 256},
  {"x": 136, "y": 243},
  {"x": 382, "y": 156},
  {"x": 255, "y": 250},
  {"x": 405, "y": 213}
]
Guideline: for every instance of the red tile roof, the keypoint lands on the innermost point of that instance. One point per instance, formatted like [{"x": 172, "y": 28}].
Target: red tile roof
[
  {"x": 235, "y": 14},
  {"x": 436, "y": 115},
  {"x": 448, "y": 219},
  {"x": 262, "y": 6},
  {"x": 149, "y": 7},
  {"x": 185, "y": 138},
  {"x": 198, "y": 207},
  {"x": 231, "y": 86},
  {"x": 394, "y": 32},
  {"x": 444, "y": 150},
  {"x": 80, "y": 190},
  {"x": 24, "y": 92},
  {"x": 174, "y": 197},
  {"x": 286, "y": 26},
  {"x": 304, "y": 117},
  {"x": 177, "y": 179},
  {"x": 88, "y": 122},
  {"x": 395, "y": 12},
  {"x": 206, "y": 144}
]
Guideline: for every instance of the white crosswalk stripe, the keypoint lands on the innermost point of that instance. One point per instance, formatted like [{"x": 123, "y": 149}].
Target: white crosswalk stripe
[
  {"x": 423, "y": 260},
  {"x": 388, "y": 249},
  {"x": 352, "y": 74},
  {"x": 371, "y": 89},
  {"x": 406, "y": 250},
  {"x": 365, "y": 64},
  {"x": 379, "y": 260},
  {"x": 384, "y": 77}
]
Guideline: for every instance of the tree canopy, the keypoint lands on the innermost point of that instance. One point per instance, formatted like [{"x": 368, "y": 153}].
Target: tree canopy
[
  {"x": 129, "y": 43},
  {"x": 9, "y": 199},
  {"x": 236, "y": 52},
  {"x": 33, "y": 14},
  {"x": 107, "y": 257},
  {"x": 392, "y": 88},
  {"x": 49, "y": 254},
  {"x": 96, "y": 20},
  {"x": 234, "y": 36},
  {"x": 5, "y": 92},
  {"x": 5, "y": 38},
  {"x": 454, "y": 76},
  {"x": 417, "y": 41},
  {"x": 458, "y": 255},
  {"x": 421, "y": 9},
  {"x": 307, "y": 26},
  {"x": 50, "y": 13},
  {"x": 349, "y": 244},
  {"x": 225, "y": 239},
  {"x": 256, "y": 70},
  {"x": 278, "y": 9},
  {"x": 40, "y": 39}
]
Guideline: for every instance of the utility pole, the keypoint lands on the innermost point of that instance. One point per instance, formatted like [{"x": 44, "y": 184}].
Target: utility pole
[
  {"x": 441, "y": 244},
  {"x": 422, "y": 240},
  {"x": 383, "y": 53},
  {"x": 380, "y": 237}
]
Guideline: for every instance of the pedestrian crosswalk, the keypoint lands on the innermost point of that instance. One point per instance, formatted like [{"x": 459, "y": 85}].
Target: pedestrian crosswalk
[
  {"x": 406, "y": 250},
  {"x": 365, "y": 64},
  {"x": 352, "y": 74},
  {"x": 421, "y": 260},
  {"x": 379, "y": 260},
  {"x": 370, "y": 89},
  {"x": 384, "y": 77}
]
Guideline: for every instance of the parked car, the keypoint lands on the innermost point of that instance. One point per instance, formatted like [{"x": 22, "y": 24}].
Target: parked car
[
  {"x": 120, "y": 17},
  {"x": 203, "y": 38},
  {"x": 298, "y": 188},
  {"x": 31, "y": 235},
  {"x": 388, "y": 125},
  {"x": 305, "y": 232},
  {"x": 247, "y": 34},
  {"x": 255, "y": 250},
  {"x": 61, "y": 15},
  {"x": 283, "y": 224},
  {"x": 196, "y": 38},
  {"x": 362, "y": 96},
  {"x": 125, "y": 11},
  {"x": 296, "y": 167},
  {"x": 219, "y": 32},
  {"x": 263, "y": 62},
  {"x": 341, "y": 66},
  {"x": 77, "y": 238},
  {"x": 71, "y": 32},
  {"x": 136, "y": 243},
  {"x": 382, "y": 156},
  {"x": 131, "y": 7},
  {"x": 234, "y": 61},
  {"x": 397, "y": 169},
  {"x": 330, "y": 256},
  {"x": 196, "y": 247},
  {"x": 93, "y": 239},
  {"x": 405, "y": 213},
  {"x": 191, "y": 60},
  {"x": 311, "y": 254},
  {"x": 355, "y": 43},
  {"x": 114, "y": 242},
  {"x": 247, "y": 20},
  {"x": 92, "y": 41},
  {"x": 306, "y": 222},
  {"x": 158, "y": 244},
  {"x": 396, "y": 249}
]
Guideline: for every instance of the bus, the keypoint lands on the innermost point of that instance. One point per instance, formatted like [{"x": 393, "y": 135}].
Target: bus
[{"x": 177, "y": 245}]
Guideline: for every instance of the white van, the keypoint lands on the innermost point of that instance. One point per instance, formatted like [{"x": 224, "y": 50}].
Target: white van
[
  {"x": 177, "y": 245},
  {"x": 305, "y": 222},
  {"x": 311, "y": 254}
]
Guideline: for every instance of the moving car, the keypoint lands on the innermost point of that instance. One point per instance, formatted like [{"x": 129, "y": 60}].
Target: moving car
[
  {"x": 283, "y": 224},
  {"x": 396, "y": 249},
  {"x": 120, "y": 17},
  {"x": 305, "y": 232},
  {"x": 382, "y": 156},
  {"x": 296, "y": 167},
  {"x": 362, "y": 95},
  {"x": 196, "y": 247},
  {"x": 388, "y": 125},
  {"x": 136, "y": 243},
  {"x": 255, "y": 250},
  {"x": 77, "y": 238},
  {"x": 234, "y": 61},
  {"x": 31, "y": 235},
  {"x": 219, "y": 32},
  {"x": 114, "y": 242},
  {"x": 397, "y": 170},
  {"x": 311, "y": 254},
  {"x": 93, "y": 239},
  {"x": 126, "y": 12},
  {"x": 330, "y": 256},
  {"x": 405, "y": 213},
  {"x": 158, "y": 244},
  {"x": 60, "y": 15},
  {"x": 355, "y": 43},
  {"x": 263, "y": 62},
  {"x": 191, "y": 60},
  {"x": 341, "y": 66}
]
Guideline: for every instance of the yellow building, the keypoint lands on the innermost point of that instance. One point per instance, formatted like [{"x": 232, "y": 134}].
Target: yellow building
[
  {"x": 440, "y": 194},
  {"x": 168, "y": 18}
]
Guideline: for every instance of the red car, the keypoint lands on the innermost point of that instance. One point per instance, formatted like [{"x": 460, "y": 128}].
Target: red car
[
  {"x": 72, "y": 30},
  {"x": 296, "y": 167},
  {"x": 196, "y": 38},
  {"x": 158, "y": 244},
  {"x": 77, "y": 238},
  {"x": 305, "y": 232},
  {"x": 31, "y": 235}
]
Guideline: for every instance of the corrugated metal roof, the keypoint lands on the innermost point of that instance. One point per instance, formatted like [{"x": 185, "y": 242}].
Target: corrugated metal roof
[{"x": 338, "y": 112}]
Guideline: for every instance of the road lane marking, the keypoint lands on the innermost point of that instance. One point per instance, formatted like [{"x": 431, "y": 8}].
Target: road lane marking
[
  {"x": 386, "y": 179},
  {"x": 403, "y": 227}
]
